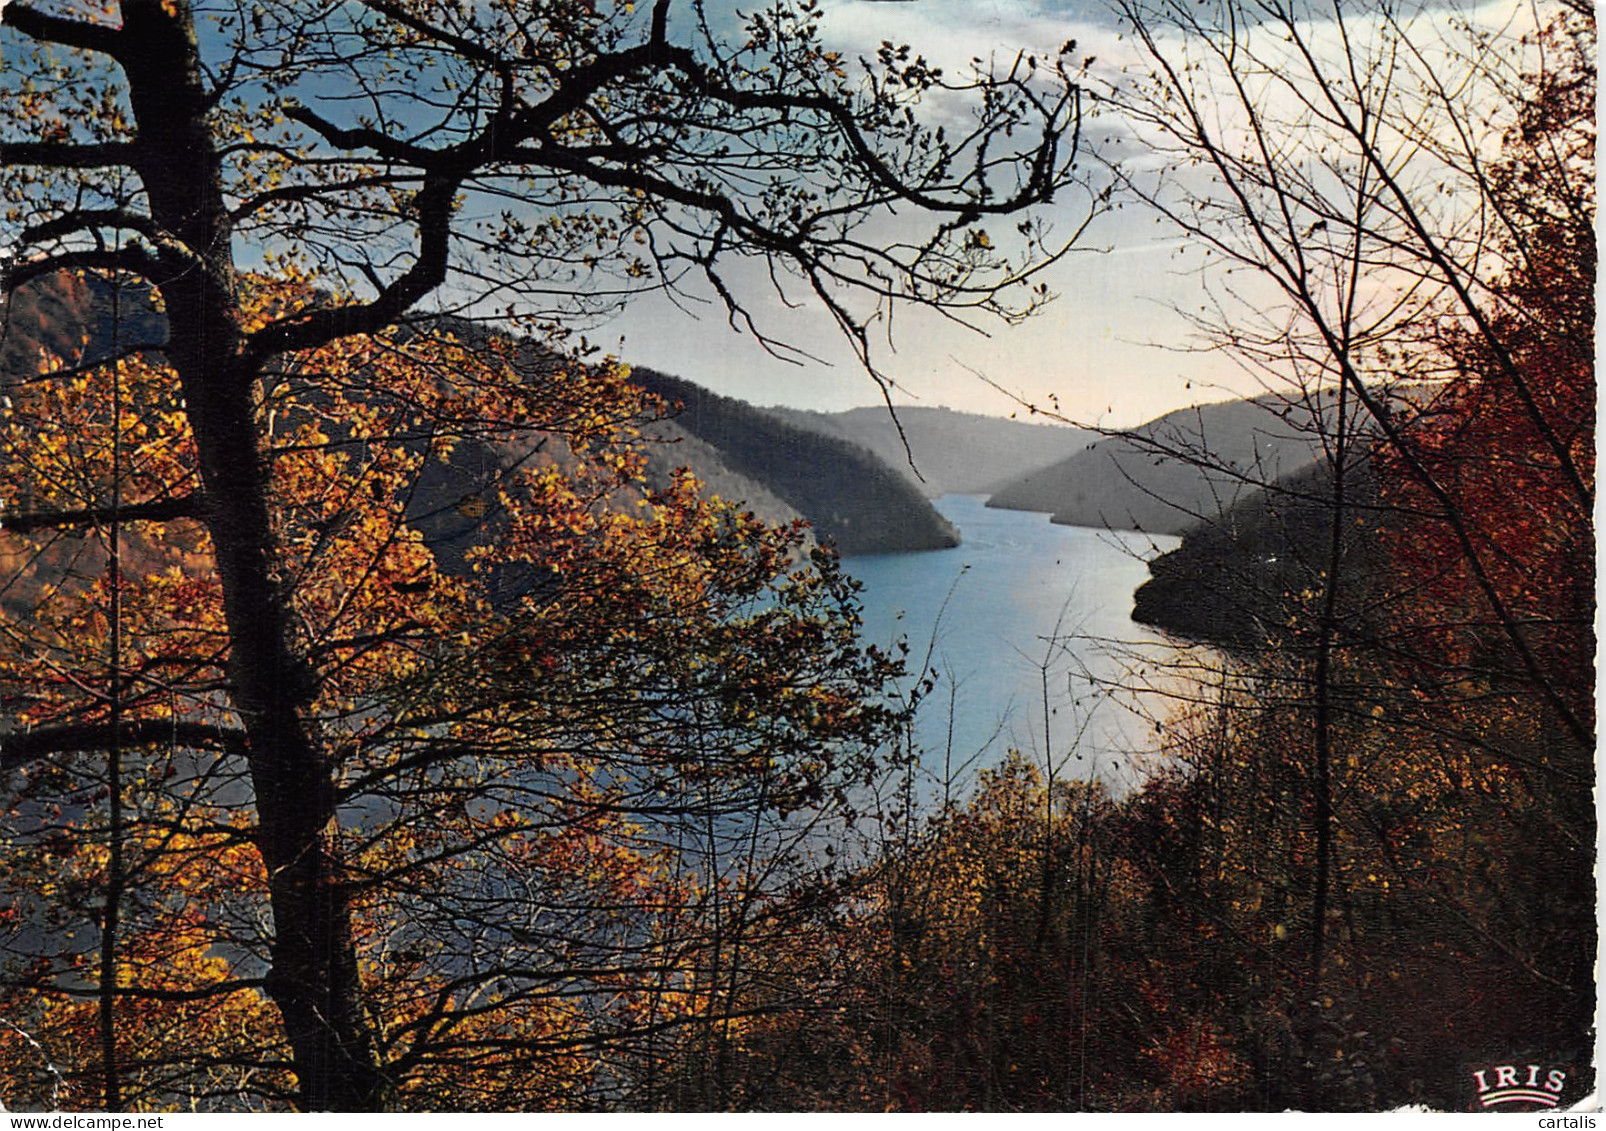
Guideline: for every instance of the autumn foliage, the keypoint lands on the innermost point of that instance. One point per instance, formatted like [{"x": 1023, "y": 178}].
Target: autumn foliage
[
  {"x": 578, "y": 726},
  {"x": 1501, "y": 465}
]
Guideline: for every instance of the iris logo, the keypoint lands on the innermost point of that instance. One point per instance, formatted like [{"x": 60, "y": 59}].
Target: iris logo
[{"x": 1511, "y": 1085}]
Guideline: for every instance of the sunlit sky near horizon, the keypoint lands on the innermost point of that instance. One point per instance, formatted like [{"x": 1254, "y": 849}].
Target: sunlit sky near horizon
[
  {"x": 1105, "y": 348},
  {"x": 1112, "y": 349}
]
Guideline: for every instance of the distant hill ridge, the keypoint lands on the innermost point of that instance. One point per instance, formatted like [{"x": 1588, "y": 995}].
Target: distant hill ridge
[
  {"x": 954, "y": 452},
  {"x": 1188, "y": 466}
]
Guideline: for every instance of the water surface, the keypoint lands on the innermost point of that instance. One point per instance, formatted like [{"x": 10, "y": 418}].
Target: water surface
[{"x": 1021, "y": 612}]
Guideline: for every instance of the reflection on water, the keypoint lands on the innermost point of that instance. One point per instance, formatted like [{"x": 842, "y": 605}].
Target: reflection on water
[{"x": 1022, "y": 612}]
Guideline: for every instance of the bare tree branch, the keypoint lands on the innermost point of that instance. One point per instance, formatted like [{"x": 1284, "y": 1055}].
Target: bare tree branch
[
  {"x": 158, "y": 510},
  {"x": 81, "y": 34},
  {"x": 21, "y": 747}
]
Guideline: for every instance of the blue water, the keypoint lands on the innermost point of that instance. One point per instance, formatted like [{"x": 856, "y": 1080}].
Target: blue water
[{"x": 1023, "y": 610}]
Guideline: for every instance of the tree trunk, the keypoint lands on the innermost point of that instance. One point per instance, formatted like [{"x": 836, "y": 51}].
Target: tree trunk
[{"x": 313, "y": 978}]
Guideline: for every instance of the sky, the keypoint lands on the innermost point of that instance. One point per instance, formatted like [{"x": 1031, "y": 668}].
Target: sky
[
  {"x": 1106, "y": 347},
  {"x": 1111, "y": 350}
]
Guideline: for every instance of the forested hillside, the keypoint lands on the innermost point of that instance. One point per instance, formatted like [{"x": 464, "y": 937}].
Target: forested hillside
[
  {"x": 670, "y": 447},
  {"x": 742, "y": 454},
  {"x": 1236, "y": 579},
  {"x": 1187, "y": 466},
  {"x": 852, "y": 498}
]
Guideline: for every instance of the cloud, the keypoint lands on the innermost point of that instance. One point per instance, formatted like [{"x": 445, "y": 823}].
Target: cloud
[{"x": 1116, "y": 344}]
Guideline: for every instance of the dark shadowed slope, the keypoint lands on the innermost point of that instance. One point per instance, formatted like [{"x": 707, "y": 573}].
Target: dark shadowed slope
[
  {"x": 1240, "y": 580},
  {"x": 853, "y": 499},
  {"x": 741, "y": 453}
]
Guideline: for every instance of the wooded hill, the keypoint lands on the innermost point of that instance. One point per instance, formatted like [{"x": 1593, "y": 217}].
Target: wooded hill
[
  {"x": 851, "y": 498},
  {"x": 1185, "y": 467},
  {"x": 1237, "y": 580}
]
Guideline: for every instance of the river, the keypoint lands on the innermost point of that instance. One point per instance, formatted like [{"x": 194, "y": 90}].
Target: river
[{"x": 1020, "y": 611}]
